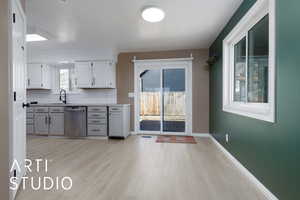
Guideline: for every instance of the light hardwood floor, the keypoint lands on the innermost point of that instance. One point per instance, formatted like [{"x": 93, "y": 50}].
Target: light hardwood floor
[{"x": 138, "y": 169}]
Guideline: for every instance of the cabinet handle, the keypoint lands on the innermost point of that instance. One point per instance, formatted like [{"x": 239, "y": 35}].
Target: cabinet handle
[
  {"x": 28, "y": 82},
  {"x": 75, "y": 81}
]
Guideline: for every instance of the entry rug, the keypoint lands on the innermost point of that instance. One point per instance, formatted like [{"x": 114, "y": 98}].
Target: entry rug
[{"x": 176, "y": 139}]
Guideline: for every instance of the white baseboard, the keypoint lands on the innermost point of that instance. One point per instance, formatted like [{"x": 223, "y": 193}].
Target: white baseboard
[
  {"x": 207, "y": 135},
  {"x": 193, "y": 134},
  {"x": 267, "y": 193}
]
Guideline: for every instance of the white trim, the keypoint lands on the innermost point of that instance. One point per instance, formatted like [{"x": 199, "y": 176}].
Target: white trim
[
  {"x": 201, "y": 135},
  {"x": 262, "y": 111},
  {"x": 267, "y": 193},
  {"x": 185, "y": 63}
]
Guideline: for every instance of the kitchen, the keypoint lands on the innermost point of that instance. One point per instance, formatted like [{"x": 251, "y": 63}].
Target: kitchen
[{"x": 65, "y": 114}]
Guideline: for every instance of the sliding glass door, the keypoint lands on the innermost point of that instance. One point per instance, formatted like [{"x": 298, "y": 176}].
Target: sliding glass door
[
  {"x": 173, "y": 112},
  {"x": 150, "y": 100},
  {"x": 162, "y": 99}
]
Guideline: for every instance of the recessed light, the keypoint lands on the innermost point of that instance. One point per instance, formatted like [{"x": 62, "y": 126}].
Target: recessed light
[
  {"x": 35, "y": 38},
  {"x": 153, "y": 14}
]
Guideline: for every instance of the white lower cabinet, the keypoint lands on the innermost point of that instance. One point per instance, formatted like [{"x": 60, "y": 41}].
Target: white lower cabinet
[
  {"x": 56, "y": 124},
  {"x": 49, "y": 121},
  {"x": 119, "y": 121},
  {"x": 97, "y": 121},
  {"x": 30, "y": 121},
  {"x": 41, "y": 123}
]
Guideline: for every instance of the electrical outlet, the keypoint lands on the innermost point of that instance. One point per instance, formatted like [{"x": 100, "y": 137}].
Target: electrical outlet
[{"x": 227, "y": 137}]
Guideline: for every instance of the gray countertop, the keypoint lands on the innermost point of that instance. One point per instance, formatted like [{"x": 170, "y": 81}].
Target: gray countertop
[{"x": 74, "y": 104}]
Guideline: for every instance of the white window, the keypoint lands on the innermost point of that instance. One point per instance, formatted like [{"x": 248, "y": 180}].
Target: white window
[
  {"x": 64, "y": 78},
  {"x": 249, "y": 64}
]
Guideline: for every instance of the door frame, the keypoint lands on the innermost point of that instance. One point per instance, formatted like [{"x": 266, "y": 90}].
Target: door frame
[{"x": 174, "y": 63}]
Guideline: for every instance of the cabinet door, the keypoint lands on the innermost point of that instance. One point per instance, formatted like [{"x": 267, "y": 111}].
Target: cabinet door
[
  {"x": 83, "y": 74},
  {"x": 46, "y": 77},
  {"x": 115, "y": 124},
  {"x": 100, "y": 74},
  {"x": 56, "y": 124},
  {"x": 34, "y": 76},
  {"x": 41, "y": 123},
  {"x": 103, "y": 74},
  {"x": 112, "y": 75}
]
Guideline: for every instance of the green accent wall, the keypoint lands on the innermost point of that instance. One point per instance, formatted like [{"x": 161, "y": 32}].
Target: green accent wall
[{"x": 271, "y": 151}]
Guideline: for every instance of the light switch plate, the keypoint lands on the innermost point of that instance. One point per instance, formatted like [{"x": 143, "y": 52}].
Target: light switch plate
[{"x": 131, "y": 94}]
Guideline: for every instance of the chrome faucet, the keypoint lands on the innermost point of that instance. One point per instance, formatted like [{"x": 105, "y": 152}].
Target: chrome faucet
[{"x": 63, "y": 96}]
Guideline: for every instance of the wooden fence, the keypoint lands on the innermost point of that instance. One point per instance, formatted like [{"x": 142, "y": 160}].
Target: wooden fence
[{"x": 174, "y": 104}]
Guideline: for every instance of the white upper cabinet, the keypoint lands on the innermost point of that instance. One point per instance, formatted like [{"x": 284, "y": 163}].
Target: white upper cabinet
[
  {"x": 104, "y": 74},
  {"x": 95, "y": 74},
  {"x": 83, "y": 74},
  {"x": 38, "y": 76}
]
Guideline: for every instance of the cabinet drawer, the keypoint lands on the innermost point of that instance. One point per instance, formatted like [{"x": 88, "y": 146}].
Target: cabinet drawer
[
  {"x": 97, "y": 121},
  {"x": 29, "y": 115},
  {"x": 41, "y": 109},
  {"x": 97, "y": 109},
  {"x": 115, "y": 109},
  {"x": 56, "y": 109},
  {"x": 29, "y": 121},
  {"x": 29, "y": 129},
  {"x": 97, "y": 115},
  {"x": 97, "y": 130},
  {"x": 30, "y": 110}
]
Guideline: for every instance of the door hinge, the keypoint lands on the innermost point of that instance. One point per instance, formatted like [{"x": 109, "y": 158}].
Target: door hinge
[
  {"x": 15, "y": 173},
  {"x": 14, "y": 17},
  {"x": 15, "y": 96}
]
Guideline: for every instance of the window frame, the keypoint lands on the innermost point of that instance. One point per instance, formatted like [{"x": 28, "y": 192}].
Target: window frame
[
  {"x": 56, "y": 79},
  {"x": 261, "y": 111}
]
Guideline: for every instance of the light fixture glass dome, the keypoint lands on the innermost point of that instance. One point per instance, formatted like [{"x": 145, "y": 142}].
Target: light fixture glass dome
[{"x": 153, "y": 14}]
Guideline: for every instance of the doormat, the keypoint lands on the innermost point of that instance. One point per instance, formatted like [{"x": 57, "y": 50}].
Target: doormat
[
  {"x": 176, "y": 139},
  {"x": 146, "y": 136}
]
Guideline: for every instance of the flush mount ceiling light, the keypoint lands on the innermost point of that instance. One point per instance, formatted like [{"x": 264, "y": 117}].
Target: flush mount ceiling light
[
  {"x": 153, "y": 14},
  {"x": 35, "y": 38}
]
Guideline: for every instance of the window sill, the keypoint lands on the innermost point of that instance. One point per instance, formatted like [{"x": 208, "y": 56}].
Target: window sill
[{"x": 257, "y": 111}]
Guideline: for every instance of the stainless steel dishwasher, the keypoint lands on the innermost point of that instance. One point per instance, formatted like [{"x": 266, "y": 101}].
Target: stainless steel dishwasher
[{"x": 75, "y": 121}]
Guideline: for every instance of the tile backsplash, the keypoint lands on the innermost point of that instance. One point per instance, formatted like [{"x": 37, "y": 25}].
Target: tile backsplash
[{"x": 83, "y": 96}]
